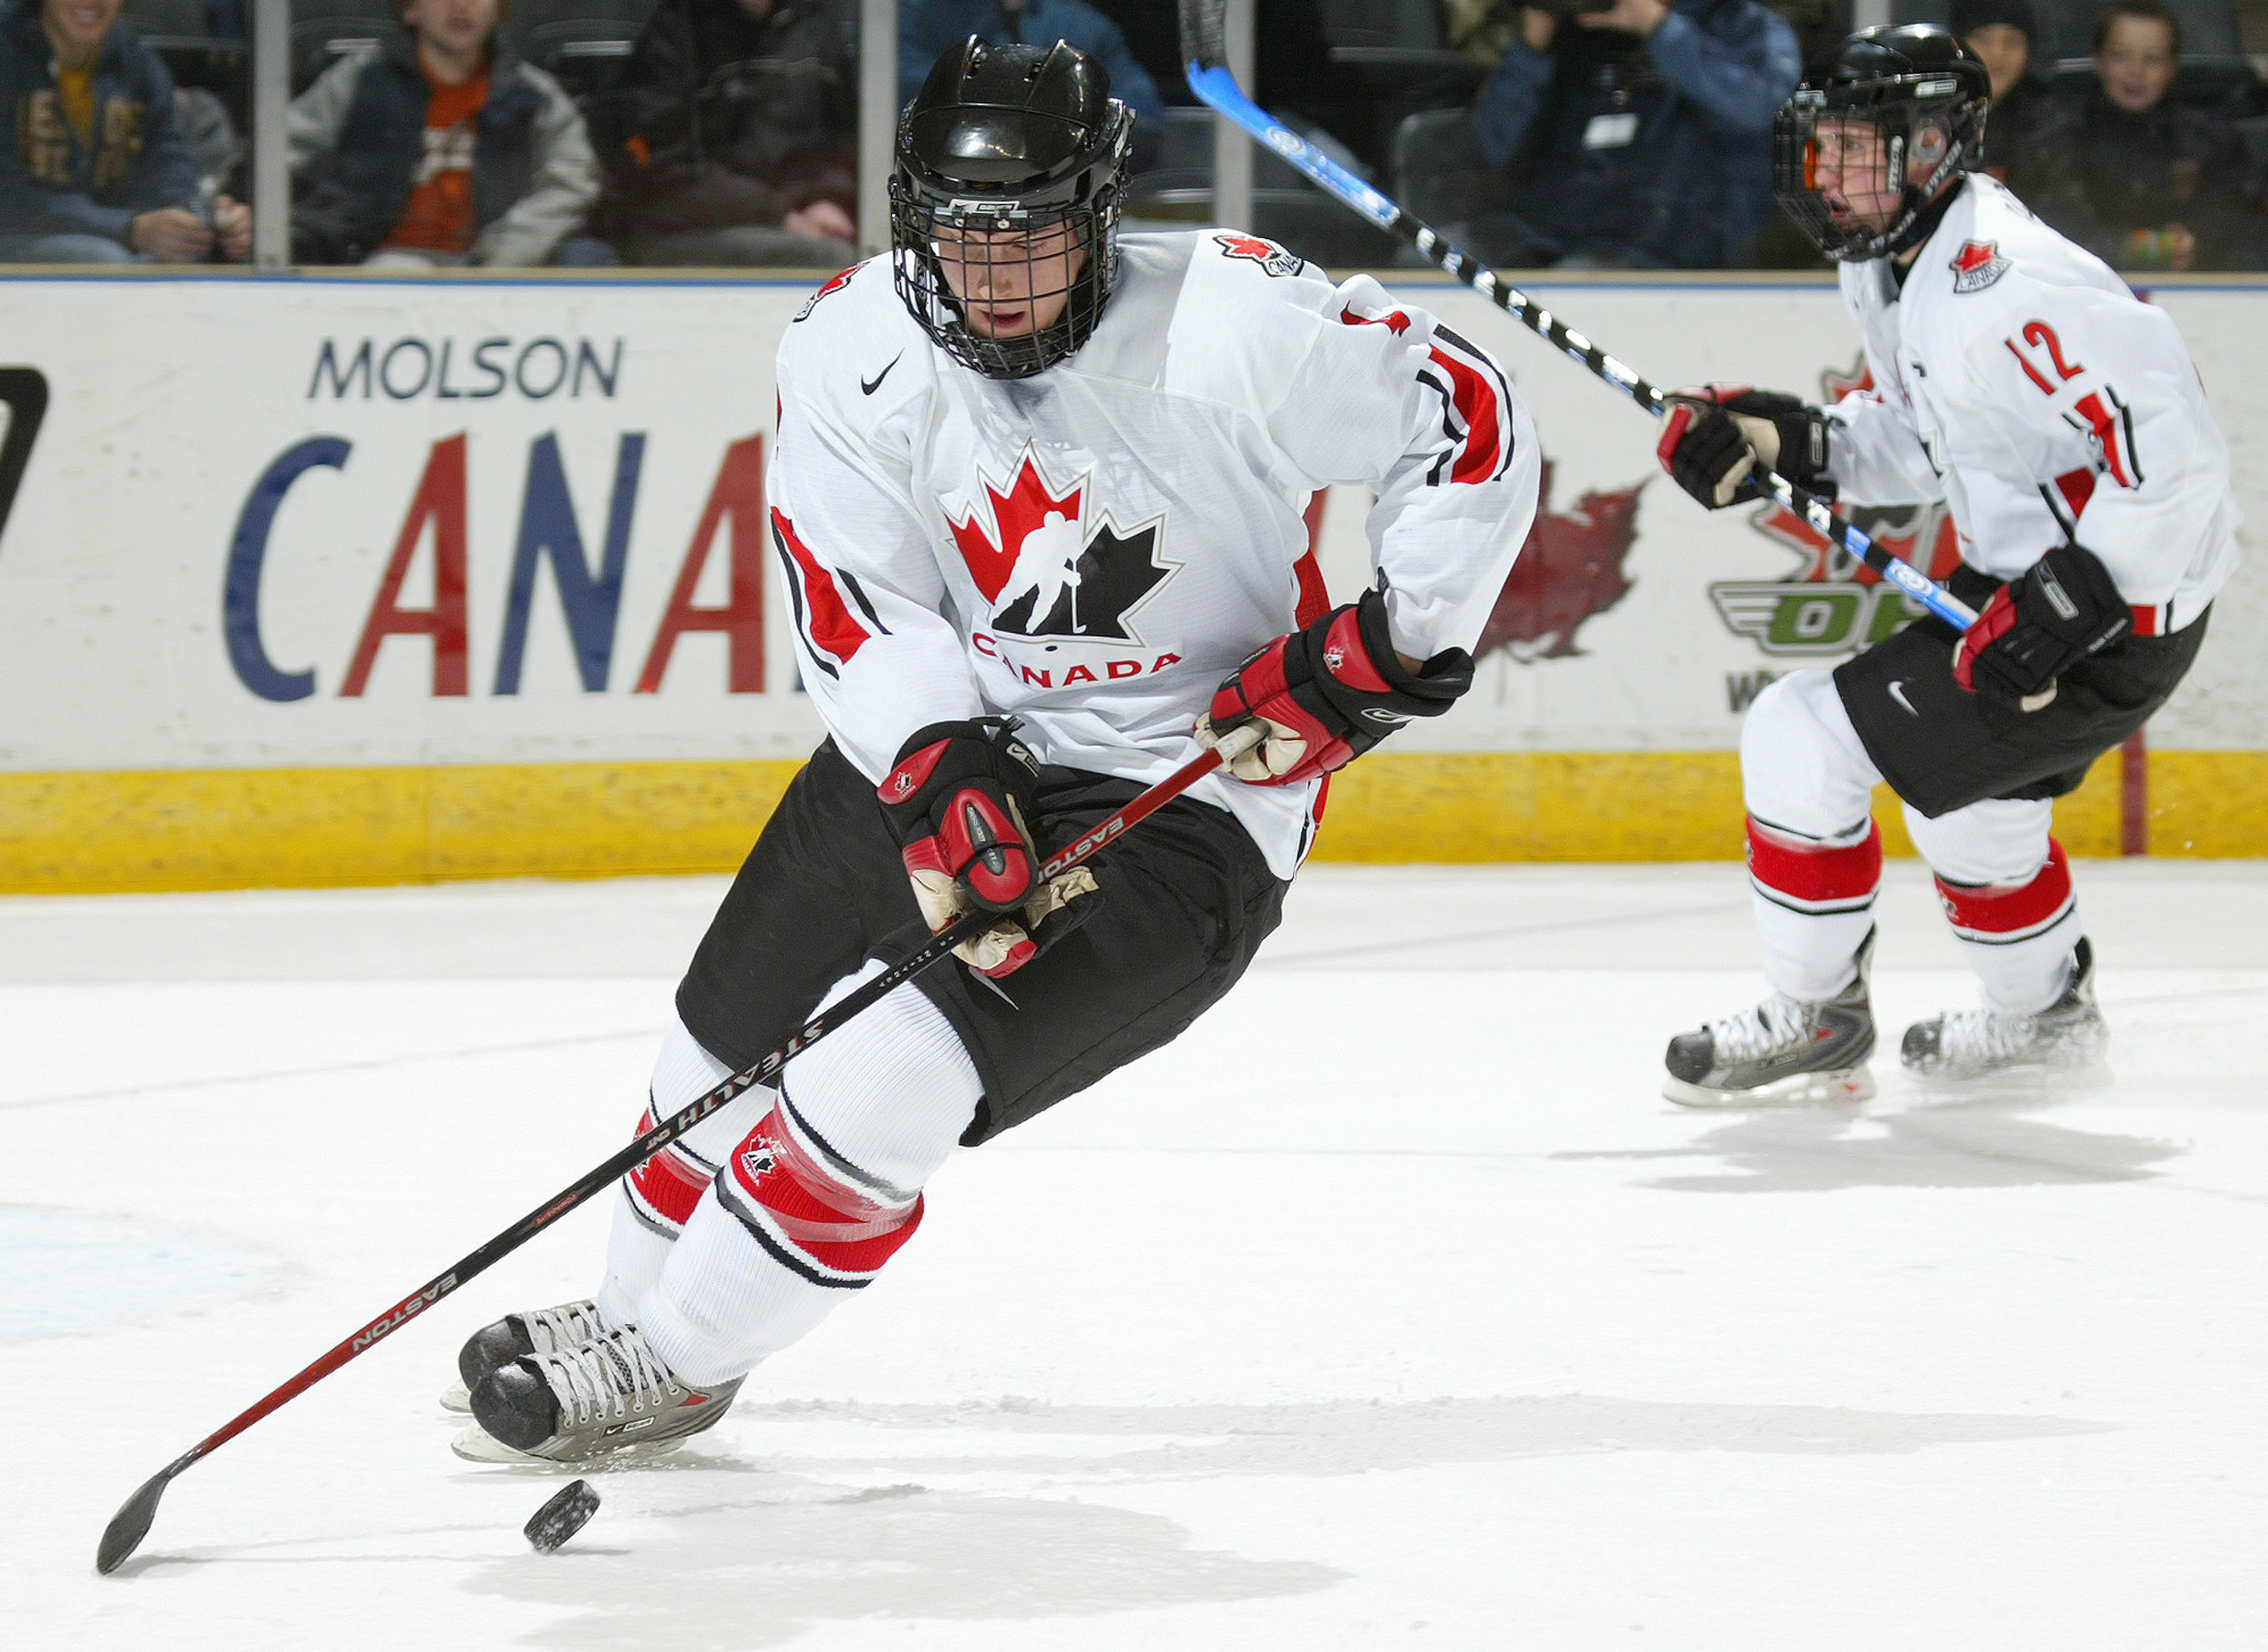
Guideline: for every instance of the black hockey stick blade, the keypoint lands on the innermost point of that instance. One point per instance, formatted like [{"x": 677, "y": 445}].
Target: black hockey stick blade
[
  {"x": 1204, "y": 33},
  {"x": 562, "y": 1517},
  {"x": 131, "y": 1523}
]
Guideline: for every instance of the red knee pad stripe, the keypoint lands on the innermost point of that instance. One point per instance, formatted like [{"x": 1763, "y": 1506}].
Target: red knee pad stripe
[
  {"x": 1808, "y": 872},
  {"x": 668, "y": 1182},
  {"x": 2003, "y": 912},
  {"x": 823, "y": 1215}
]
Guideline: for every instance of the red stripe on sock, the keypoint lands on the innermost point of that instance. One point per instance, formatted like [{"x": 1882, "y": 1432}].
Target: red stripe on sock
[
  {"x": 1807, "y": 871},
  {"x": 668, "y": 1182},
  {"x": 827, "y": 1219},
  {"x": 2008, "y": 908}
]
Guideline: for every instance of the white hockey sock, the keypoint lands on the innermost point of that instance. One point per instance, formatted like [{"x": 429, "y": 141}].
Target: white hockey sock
[
  {"x": 1814, "y": 902},
  {"x": 656, "y": 1200},
  {"x": 819, "y": 1195},
  {"x": 2006, "y": 890},
  {"x": 1814, "y": 858}
]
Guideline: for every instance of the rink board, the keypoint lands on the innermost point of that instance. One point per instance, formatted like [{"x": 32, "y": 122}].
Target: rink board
[{"x": 333, "y": 581}]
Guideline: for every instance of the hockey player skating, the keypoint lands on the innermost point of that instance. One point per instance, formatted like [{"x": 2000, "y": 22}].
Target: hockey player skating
[
  {"x": 2015, "y": 378},
  {"x": 1157, "y": 410}
]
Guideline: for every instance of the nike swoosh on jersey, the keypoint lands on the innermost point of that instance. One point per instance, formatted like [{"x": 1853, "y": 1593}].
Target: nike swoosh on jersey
[
  {"x": 1898, "y": 692},
  {"x": 869, "y": 386}
]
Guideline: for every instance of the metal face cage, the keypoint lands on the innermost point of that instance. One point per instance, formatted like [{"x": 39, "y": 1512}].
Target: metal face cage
[{"x": 1002, "y": 288}]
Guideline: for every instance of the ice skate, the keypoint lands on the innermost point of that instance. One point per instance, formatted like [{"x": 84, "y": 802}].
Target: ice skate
[
  {"x": 2067, "y": 1040},
  {"x": 536, "y": 1331},
  {"x": 1784, "y": 1053},
  {"x": 608, "y": 1396}
]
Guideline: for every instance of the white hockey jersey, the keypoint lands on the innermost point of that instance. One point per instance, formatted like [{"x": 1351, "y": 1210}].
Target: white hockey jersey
[
  {"x": 1094, "y": 549},
  {"x": 2016, "y": 378}
]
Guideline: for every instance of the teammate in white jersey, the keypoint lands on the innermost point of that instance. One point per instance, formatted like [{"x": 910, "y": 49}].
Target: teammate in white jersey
[
  {"x": 1039, "y": 498},
  {"x": 2014, "y": 376}
]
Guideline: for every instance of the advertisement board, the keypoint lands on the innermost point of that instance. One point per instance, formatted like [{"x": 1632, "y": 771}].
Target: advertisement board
[{"x": 358, "y": 580}]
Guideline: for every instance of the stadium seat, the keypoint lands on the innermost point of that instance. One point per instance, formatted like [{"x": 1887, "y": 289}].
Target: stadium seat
[
  {"x": 324, "y": 30},
  {"x": 183, "y": 35},
  {"x": 578, "y": 43},
  {"x": 1437, "y": 171},
  {"x": 1395, "y": 54}
]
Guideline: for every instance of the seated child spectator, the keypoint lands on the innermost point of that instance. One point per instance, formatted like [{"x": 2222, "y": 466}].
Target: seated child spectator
[
  {"x": 97, "y": 173},
  {"x": 440, "y": 150},
  {"x": 731, "y": 136},
  {"x": 1636, "y": 135},
  {"x": 2159, "y": 185},
  {"x": 927, "y": 29},
  {"x": 2024, "y": 109}
]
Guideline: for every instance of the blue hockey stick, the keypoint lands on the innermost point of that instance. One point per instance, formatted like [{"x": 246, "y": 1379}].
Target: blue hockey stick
[{"x": 1215, "y": 86}]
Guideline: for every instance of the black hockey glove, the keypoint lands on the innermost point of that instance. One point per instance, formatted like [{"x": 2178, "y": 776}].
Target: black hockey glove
[
  {"x": 2063, "y": 609},
  {"x": 958, "y": 800},
  {"x": 1328, "y": 695},
  {"x": 1714, "y": 435}
]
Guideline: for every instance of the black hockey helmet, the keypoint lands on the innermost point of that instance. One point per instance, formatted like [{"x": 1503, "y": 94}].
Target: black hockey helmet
[
  {"x": 1011, "y": 164},
  {"x": 1925, "y": 92}
]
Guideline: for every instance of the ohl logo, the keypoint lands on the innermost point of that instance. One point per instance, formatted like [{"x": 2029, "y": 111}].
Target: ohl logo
[{"x": 1046, "y": 572}]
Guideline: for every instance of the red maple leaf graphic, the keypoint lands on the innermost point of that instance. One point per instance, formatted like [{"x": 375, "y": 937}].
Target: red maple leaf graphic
[
  {"x": 1571, "y": 569},
  {"x": 1975, "y": 255},
  {"x": 1834, "y": 385},
  {"x": 1025, "y": 506},
  {"x": 1247, "y": 246}
]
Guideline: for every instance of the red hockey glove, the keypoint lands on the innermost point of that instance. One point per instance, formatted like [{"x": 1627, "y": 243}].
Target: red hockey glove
[
  {"x": 1714, "y": 435},
  {"x": 1328, "y": 695},
  {"x": 958, "y": 799},
  {"x": 2063, "y": 609}
]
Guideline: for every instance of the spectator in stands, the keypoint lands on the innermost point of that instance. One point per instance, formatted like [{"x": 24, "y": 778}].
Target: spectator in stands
[
  {"x": 437, "y": 150},
  {"x": 732, "y": 136},
  {"x": 97, "y": 173},
  {"x": 2159, "y": 185},
  {"x": 2000, "y": 32},
  {"x": 928, "y": 28},
  {"x": 1636, "y": 135}
]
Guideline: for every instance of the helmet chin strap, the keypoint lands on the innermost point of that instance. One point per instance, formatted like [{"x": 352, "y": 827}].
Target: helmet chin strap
[{"x": 1926, "y": 220}]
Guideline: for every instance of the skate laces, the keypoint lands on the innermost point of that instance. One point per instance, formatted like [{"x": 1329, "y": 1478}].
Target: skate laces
[
  {"x": 1777, "y": 1023},
  {"x": 569, "y": 1324},
  {"x": 610, "y": 1377},
  {"x": 1973, "y": 1035}
]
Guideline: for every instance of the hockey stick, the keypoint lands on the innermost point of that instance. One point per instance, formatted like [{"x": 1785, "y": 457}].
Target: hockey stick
[
  {"x": 1203, "y": 24},
  {"x": 131, "y": 1523}
]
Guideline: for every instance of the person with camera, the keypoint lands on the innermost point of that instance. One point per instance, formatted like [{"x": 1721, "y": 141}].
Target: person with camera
[{"x": 1632, "y": 133}]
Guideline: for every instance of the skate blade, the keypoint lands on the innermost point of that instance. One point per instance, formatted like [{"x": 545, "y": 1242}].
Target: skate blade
[
  {"x": 453, "y": 1398},
  {"x": 1798, "y": 1090},
  {"x": 476, "y": 1444},
  {"x": 2032, "y": 1078}
]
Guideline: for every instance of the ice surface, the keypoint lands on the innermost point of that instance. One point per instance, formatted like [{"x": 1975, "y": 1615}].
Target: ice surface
[{"x": 1391, "y": 1306}]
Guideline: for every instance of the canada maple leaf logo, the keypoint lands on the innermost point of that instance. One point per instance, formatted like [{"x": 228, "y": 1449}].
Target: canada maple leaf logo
[
  {"x": 834, "y": 284},
  {"x": 1044, "y": 572},
  {"x": 1267, "y": 254},
  {"x": 1977, "y": 266},
  {"x": 1569, "y": 569}
]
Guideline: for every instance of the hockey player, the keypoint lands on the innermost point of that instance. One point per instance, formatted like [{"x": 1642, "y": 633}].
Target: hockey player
[
  {"x": 2016, "y": 378},
  {"x": 1038, "y": 495}
]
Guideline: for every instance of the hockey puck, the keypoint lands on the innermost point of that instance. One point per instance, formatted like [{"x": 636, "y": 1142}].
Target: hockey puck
[{"x": 563, "y": 1516}]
